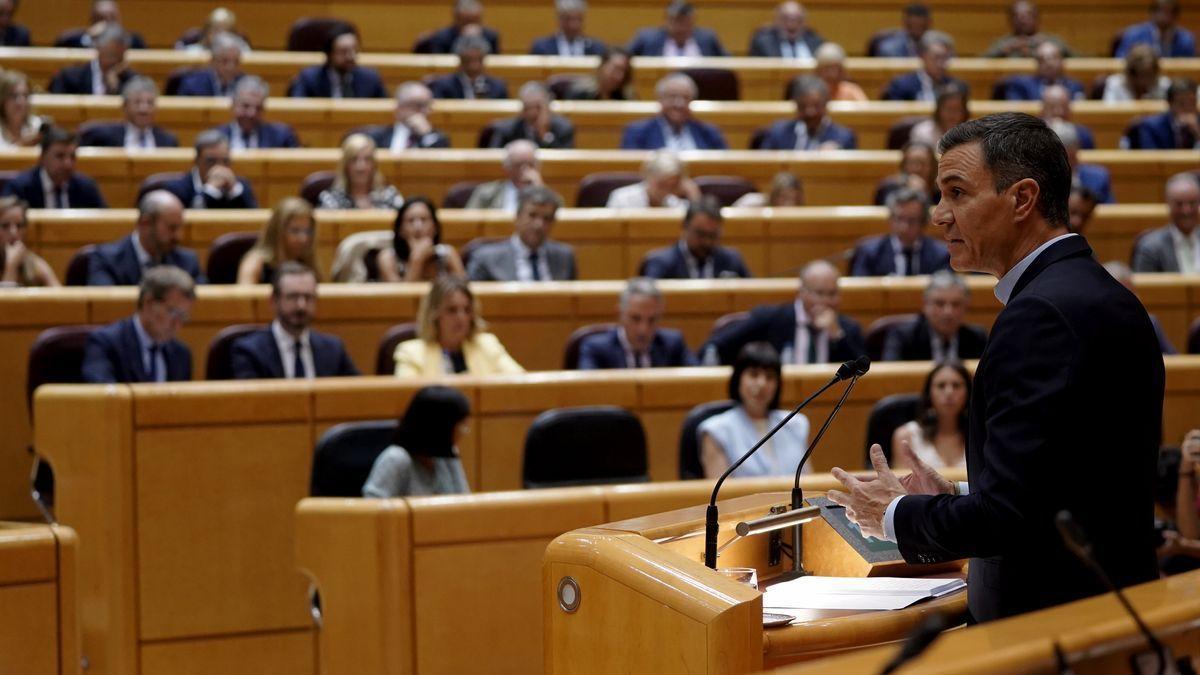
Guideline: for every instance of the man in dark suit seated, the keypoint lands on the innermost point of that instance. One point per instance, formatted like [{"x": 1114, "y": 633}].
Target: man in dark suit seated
[
  {"x": 679, "y": 37},
  {"x": 340, "y": 76},
  {"x": 154, "y": 243},
  {"x": 103, "y": 75},
  {"x": 1176, "y": 129},
  {"x": 935, "y": 50},
  {"x": 412, "y": 129},
  {"x": 535, "y": 123},
  {"x": 104, "y": 13},
  {"x": 907, "y": 250},
  {"x": 11, "y": 34},
  {"x": 915, "y": 20},
  {"x": 289, "y": 348},
  {"x": 789, "y": 37},
  {"x": 1174, "y": 247},
  {"x": 1091, "y": 176},
  {"x": 139, "y": 100},
  {"x": 470, "y": 80},
  {"x": 530, "y": 254},
  {"x": 569, "y": 40},
  {"x": 522, "y": 169},
  {"x": 223, "y": 72},
  {"x": 809, "y": 330},
  {"x": 1056, "y": 105},
  {"x": 636, "y": 341},
  {"x": 698, "y": 254},
  {"x": 211, "y": 184},
  {"x": 249, "y": 130},
  {"x": 54, "y": 183},
  {"x": 674, "y": 128},
  {"x": 1050, "y": 72},
  {"x": 1072, "y": 365},
  {"x": 811, "y": 128},
  {"x": 1162, "y": 32},
  {"x": 468, "y": 20},
  {"x": 940, "y": 332},
  {"x": 1026, "y": 35},
  {"x": 144, "y": 347}
]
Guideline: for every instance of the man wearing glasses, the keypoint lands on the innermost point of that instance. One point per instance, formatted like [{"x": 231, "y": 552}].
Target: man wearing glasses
[
  {"x": 154, "y": 242},
  {"x": 412, "y": 129},
  {"x": 211, "y": 184}
]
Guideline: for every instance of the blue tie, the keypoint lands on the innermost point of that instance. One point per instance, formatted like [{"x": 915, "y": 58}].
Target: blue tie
[
  {"x": 298, "y": 367},
  {"x": 155, "y": 373}
]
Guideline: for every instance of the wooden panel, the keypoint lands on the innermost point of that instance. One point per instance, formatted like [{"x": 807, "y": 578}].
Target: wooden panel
[
  {"x": 29, "y": 628},
  {"x": 288, "y": 652}
]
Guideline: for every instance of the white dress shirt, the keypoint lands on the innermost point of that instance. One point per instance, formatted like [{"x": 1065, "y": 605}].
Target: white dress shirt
[
  {"x": 635, "y": 197},
  {"x": 286, "y": 344},
  {"x": 900, "y": 261},
  {"x": 676, "y": 141},
  {"x": 524, "y": 268},
  {"x": 202, "y": 189},
  {"x": 794, "y": 49},
  {"x": 806, "y": 142},
  {"x": 509, "y": 203},
  {"x": 54, "y": 198},
  {"x": 146, "y": 343},
  {"x": 1187, "y": 249},
  {"x": 632, "y": 360},
  {"x": 138, "y": 139},
  {"x": 927, "y": 88},
  {"x": 238, "y": 140},
  {"x": 569, "y": 47},
  {"x": 802, "y": 338},
  {"x": 400, "y": 135},
  {"x": 98, "y": 87},
  {"x": 689, "y": 48}
]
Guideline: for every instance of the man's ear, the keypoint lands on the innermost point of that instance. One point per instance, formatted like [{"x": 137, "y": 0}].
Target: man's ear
[{"x": 1025, "y": 193}]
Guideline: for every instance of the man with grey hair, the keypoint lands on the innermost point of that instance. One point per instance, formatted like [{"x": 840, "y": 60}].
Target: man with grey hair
[
  {"x": 104, "y": 13},
  {"x": 248, "y": 130},
  {"x": 530, "y": 254},
  {"x": 211, "y": 184},
  {"x": 1091, "y": 176},
  {"x": 569, "y": 40},
  {"x": 935, "y": 50},
  {"x": 154, "y": 242},
  {"x": 224, "y": 71},
  {"x": 940, "y": 331},
  {"x": 103, "y": 75},
  {"x": 1056, "y": 105},
  {"x": 789, "y": 37},
  {"x": 521, "y": 169},
  {"x": 468, "y": 20},
  {"x": 144, "y": 347},
  {"x": 811, "y": 128},
  {"x": 471, "y": 80},
  {"x": 673, "y": 128},
  {"x": 907, "y": 250},
  {"x": 535, "y": 123},
  {"x": 139, "y": 100},
  {"x": 412, "y": 129},
  {"x": 664, "y": 184},
  {"x": 636, "y": 341},
  {"x": 1174, "y": 247},
  {"x": 678, "y": 37}
]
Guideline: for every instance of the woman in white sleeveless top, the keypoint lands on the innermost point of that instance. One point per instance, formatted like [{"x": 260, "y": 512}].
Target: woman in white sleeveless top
[{"x": 938, "y": 436}]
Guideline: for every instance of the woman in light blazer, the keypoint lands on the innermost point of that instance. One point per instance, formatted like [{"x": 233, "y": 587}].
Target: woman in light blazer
[{"x": 451, "y": 336}]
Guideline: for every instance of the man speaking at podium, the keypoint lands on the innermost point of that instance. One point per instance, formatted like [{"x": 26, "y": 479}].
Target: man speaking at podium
[{"x": 1067, "y": 409}]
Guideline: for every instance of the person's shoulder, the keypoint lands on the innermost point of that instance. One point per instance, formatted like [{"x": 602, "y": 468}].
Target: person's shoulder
[
  {"x": 326, "y": 340},
  {"x": 110, "y": 333},
  {"x": 601, "y": 340},
  {"x": 1159, "y": 236}
]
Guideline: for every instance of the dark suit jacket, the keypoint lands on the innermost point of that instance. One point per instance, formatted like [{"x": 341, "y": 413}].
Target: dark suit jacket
[
  {"x": 75, "y": 40},
  {"x": 82, "y": 192},
  {"x": 562, "y": 133},
  {"x": 451, "y": 86},
  {"x": 1086, "y": 140},
  {"x": 116, "y": 264},
  {"x": 765, "y": 42},
  {"x": 1029, "y": 88},
  {"x": 668, "y": 263},
  {"x": 313, "y": 82},
  {"x": 442, "y": 41},
  {"x": 1095, "y": 178},
  {"x": 113, "y": 136},
  {"x": 910, "y": 342},
  {"x": 908, "y": 87},
  {"x": 648, "y": 135},
  {"x": 896, "y": 43},
  {"x": 1067, "y": 405},
  {"x": 1155, "y": 252},
  {"x": 15, "y": 36},
  {"x": 256, "y": 356},
  {"x": 1184, "y": 43},
  {"x": 548, "y": 46},
  {"x": 183, "y": 188},
  {"x": 78, "y": 80},
  {"x": 776, "y": 324},
  {"x": 876, "y": 257},
  {"x": 270, "y": 134},
  {"x": 650, "y": 42},
  {"x": 604, "y": 350},
  {"x": 782, "y": 136},
  {"x": 113, "y": 354},
  {"x": 1154, "y": 132},
  {"x": 203, "y": 83},
  {"x": 382, "y": 135}
]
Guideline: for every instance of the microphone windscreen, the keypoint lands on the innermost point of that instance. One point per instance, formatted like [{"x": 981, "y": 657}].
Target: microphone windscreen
[{"x": 861, "y": 365}]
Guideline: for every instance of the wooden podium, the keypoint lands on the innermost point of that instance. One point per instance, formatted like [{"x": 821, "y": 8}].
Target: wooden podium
[{"x": 635, "y": 596}]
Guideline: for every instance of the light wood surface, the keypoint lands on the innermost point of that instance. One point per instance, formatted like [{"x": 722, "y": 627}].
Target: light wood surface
[{"x": 39, "y": 630}]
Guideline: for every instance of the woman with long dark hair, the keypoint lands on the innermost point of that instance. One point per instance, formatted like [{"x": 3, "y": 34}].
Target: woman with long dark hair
[
  {"x": 423, "y": 457},
  {"x": 938, "y": 436},
  {"x": 417, "y": 252}
]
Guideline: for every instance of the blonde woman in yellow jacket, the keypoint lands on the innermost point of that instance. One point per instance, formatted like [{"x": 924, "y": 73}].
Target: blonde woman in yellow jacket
[{"x": 451, "y": 336}]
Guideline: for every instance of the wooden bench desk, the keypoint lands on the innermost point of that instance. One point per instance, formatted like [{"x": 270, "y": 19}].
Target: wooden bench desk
[{"x": 39, "y": 591}]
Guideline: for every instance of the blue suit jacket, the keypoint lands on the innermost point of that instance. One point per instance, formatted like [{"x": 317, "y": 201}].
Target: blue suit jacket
[
  {"x": 766, "y": 42},
  {"x": 256, "y": 356},
  {"x": 1096, "y": 179},
  {"x": 79, "y": 39},
  {"x": 548, "y": 46},
  {"x": 313, "y": 82},
  {"x": 1184, "y": 43},
  {"x": 451, "y": 86},
  {"x": 648, "y": 135},
  {"x": 650, "y": 42},
  {"x": 782, "y": 136},
  {"x": 113, "y": 354},
  {"x": 1029, "y": 88},
  {"x": 270, "y": 134},
  {"x": 1153, "y": 132},
  {"x": 776, "y": 324},
  {"x": 15, "y": 36},
  {"x": 442, "y": 41},
  {"x": 78, "y": 80},
  {"x": 669, "y": 263},
  {"x": 895, "y": 44},
  {"x": 82, "y": 192},
  {"x": 1086, "y": 140},
  {"x": 185, "y": 190},
  {"x": 203, "y": 83},
  {"x": 604, "y": 350},
  {"x": 113, "y": 136},
  {"x": 875, "y": 257},
  {"x": 908, "y": 87},
  {"x": 116, "y": 264}
]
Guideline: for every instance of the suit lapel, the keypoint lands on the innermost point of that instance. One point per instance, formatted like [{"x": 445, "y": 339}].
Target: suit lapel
[
  {"x": 131, "y": 351},
  {"x": 1067, "y": 248},
  {"x": 274, "y": 358}
]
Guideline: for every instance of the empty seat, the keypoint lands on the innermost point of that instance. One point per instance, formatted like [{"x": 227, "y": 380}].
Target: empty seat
[
  {"x": 571, "y": 351},
  {"x": 588, "y": 445},
  {"x": 344, "y": 456},
  {"x": 219, "y": 365},
  {"x": 385, "y": 356},
  {"x": 77, "y": 267},
  {"x": 309, "y": 34},
  {"x": 727, "y": 189},
  {"x": 690, "y": 466},
  {"x": 714, "y": 84},
  {"x": 889, "y": 414},
  {"x": 595, "y": 188},
  {"x": 225, "y": 255},
  {"x": 877, "y": 333}
]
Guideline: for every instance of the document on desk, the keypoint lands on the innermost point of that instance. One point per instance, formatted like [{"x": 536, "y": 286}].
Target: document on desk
[{"x": 813, "y": 592}]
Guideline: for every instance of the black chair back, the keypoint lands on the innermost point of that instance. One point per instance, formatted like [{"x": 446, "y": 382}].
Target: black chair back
[
  {"x": 69, "y": 37},
  {"x": 56, "y": 357},
  {"x": 1193, "y": 343},
  {"x": 690, "y": 466},
  {"x": 594, "y": 188},
  {"x": 488, "y": 136},
  {"x": 759, "y": 137},
  {"x": 158, "y": 181},
  {"x": 560, "y": 84},
  {"x": 219, "y": 364},
  {"x": 714, "y": 84},
  {"x": 889, "y": 414},
  {"x": 344, "y": 456},
  {"x": 175, "y": 79},
  {"x": 590, "y": 445},
  {"x": 385, "y": 356},
  {"x": 77, "y": 267},
  {"x": 225, "y": 255},
  {"x": 900, "y": 132},
  {"x": 314, "y": 184},
  {"x": 87, "y": 130},
  {"x": 469, "y": 249},
  {"x": 309, "y": 34},
  {"x": 458, "y": 194},
  {"x": 571, "y": 351},
  {"x": 877, "y": 333},
  {"x": 727, "y": 189}
]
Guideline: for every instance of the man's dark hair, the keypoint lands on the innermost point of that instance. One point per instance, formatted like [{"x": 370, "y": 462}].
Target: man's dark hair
[
  {"x": 916, "y": 9},
  {"x": 286, "y": 269},
  {"x": 1016, "y": 146},
  {"x": 707, "y": 205},
  {"x": 680, "y": 8},
  {"x": 1179, "y": 86},
  {"x": 337, "y": 32},
  {"x": 56, "y": 135}
]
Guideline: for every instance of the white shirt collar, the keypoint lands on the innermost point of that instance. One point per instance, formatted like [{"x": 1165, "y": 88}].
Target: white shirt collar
[
  {"x": 49, "y": 191},
  {"x": 927, "y": 88},
  {"x": 286, "y": 344},
  {"x": 142, "y": 254},
  {"x": 1004, "y": 287},
  {"x": 569, "y": 47},
  {"x": 238, "y": 140},
  {"x": 632, "y": 359},
  {"x": 673, "y": 141},
  {"x": 98, "y": 87},
  {"x": 400, "y": 135},
  {"x": 689, "y": 48},
  {"x": 143, "y": 337},
  {"x": 523, "y": 263},
  {"x": 133, "y": 136},
  {"x": 1183, "y": 244},
  {"x": 509, "y": 202}
]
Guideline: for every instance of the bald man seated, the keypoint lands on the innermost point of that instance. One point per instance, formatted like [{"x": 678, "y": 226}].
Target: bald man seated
[{"x": 154, "y": 242}]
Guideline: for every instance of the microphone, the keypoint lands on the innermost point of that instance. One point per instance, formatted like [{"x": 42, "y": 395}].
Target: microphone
[
  {"x": 930, "y": 628},
  {"x": 711, "y": 526},
  {"x": 1077, "y": 541}
]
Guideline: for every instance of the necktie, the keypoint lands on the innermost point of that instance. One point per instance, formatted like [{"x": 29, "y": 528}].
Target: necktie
[
  {"x": 245, "y": 138},
  {"x": 813, "y": 332},
  {"x": 910, "y": 260},
  {"x": 298, "y": 366},
  {"x": 62, "y": 198},
  {"x": 155, "y": 372},
  {"x": 144, "y": 139},
  {"x": 533, "y": 266},
  {"x": 347, "y": 88}
]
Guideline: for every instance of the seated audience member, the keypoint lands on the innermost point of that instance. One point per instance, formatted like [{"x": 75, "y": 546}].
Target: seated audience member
[
  {"x": 289, "y": 235},
  {"x": 674, "y": 128},
  {"x": 664, "y": 184},
  {"x": 811, "y": 128},
  {"x": 569, "y": 40},
  {"x": 412, "y": 128},
  {"x": 950, "y": 109},
  {"x": 104, "y": 14},
  {"x": 144, "y": 347},
  {"x": 105, "y": 74},
  {"x": 940, "y": 331},
  {"x": 340, "y": 76},
  {"x": 289, "y": 348},
  {"x": 468, "y": 20},
  {"x": 154, "y": 243},
  {"x": 139, "y": 101},
  {"x": 915, "y": 21},
  {"x": 831, "y": 68},
  {"x": 907, "y": 250},
  {"x": 612, "y": 81},
  {"x": 935, "y": 51},
  {"x": 417, "y": 252},
  {"x": 470, "y": 81},
  {"x": 19, "y": 127},
  {"x": 1091, "y": 176},
  {"x": 636, "y": 341},
  {"x": 211, "y": 184},
  {"x": 358, "y": 182},
  {"x": 789, "y": 37},
  {"x": 918, "y": 170},
  {"x": 535, "y": 123},
  {"x": 938, "y": 437},
  {"x": 1056, "y": 105},
  {"x": 1187, "y": 508},
  {"x": 1080, "y": 206},
  {"x": 11, "y": 34},
  {"x": 678, "y": 37},
  {"x": 1176, "y": 129},
  {"x": 1140, "y": 80},
  {"x": 1174, "y": 247},
  {"x": 219, "y": 21},
  {"x": 451, "y": 336},
  {"x": 754, "y": 387},
  {"x": 1050, "y": 72},
  {"x": 1121, "y": 272},
  {"x": 248, "y": 130},
  {"x": 698, "y": 254},
  {"x": 786, "y": 190},
  {"x": 54, "y": 183},
  {"x": 224, "y": 70},
  {"x": 21, "y": 266},
  {"x": 529, "y": 254},
  {"x": 423, "y": 456},
  {"x": 1026, "y": 37},
  {"x": 521, "y": 170},
  {"x": 1162, "y": 33}
]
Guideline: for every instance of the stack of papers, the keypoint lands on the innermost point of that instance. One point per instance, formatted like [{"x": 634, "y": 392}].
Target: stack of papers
[{"x": 814, "y": 592}]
